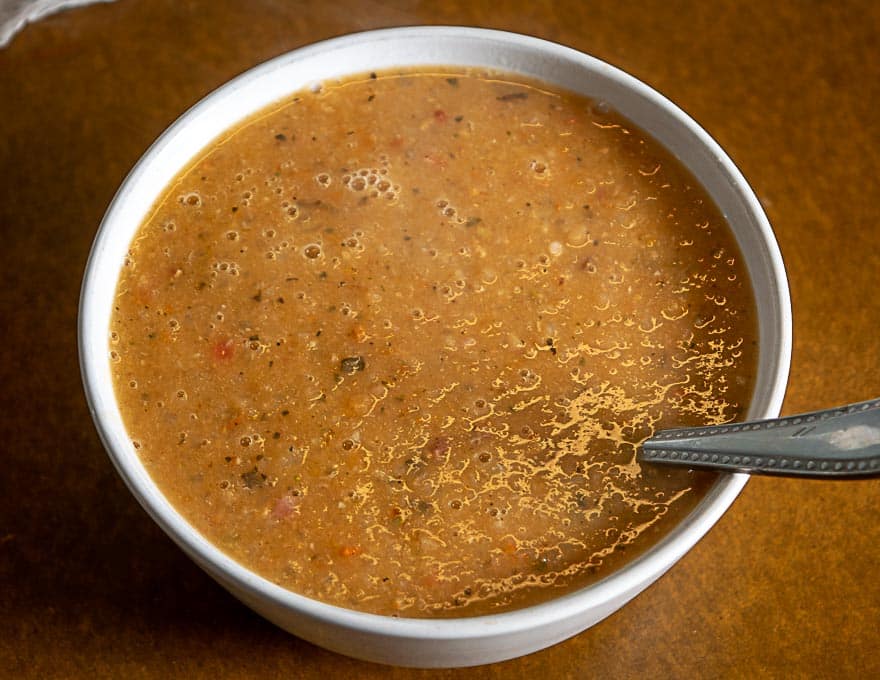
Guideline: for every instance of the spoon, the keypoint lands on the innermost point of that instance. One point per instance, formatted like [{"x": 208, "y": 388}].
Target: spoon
[{"x": 836, "y": 443}]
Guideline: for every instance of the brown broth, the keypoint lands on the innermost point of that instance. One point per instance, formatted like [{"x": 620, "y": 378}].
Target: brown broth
[{"x": 394, "y": 344}]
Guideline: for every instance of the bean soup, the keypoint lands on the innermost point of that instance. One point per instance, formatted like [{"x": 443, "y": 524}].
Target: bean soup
[{"x": 393, "y": 343}]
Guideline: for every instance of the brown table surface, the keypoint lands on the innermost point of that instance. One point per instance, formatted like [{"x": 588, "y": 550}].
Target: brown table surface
[{"x": 786, "y": 585}]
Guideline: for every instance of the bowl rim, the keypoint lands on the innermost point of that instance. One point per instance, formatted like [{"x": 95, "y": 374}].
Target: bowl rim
[{"x": 93, "y": 348}]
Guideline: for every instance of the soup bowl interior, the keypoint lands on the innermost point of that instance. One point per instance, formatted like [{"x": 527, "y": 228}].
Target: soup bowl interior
[{"x": 429, "y": 642}]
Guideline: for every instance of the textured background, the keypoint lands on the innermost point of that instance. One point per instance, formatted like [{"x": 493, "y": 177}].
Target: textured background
[{"x": 785, "y": 585}]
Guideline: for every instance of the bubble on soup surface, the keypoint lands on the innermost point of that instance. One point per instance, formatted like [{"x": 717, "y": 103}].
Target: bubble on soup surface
[
  {"x": 323, "y": 179},
  {"x": 312, "y": 251},
  {"x": 539, "y": 168},
  {"x": 577, "y": 236},
  {"x": 481, "y": 407},
  {"x": 445, "y": 208},
  {"x": 192, "y": 199},
  {"x": 527, "y": 377},
  {"x": 231, "y": 268}
]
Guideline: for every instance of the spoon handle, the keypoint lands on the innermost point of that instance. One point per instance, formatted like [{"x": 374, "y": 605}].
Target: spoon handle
[{"x": 837, "y": 443}]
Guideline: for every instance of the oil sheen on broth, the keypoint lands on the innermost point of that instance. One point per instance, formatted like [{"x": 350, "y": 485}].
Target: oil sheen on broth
[{"x": 394, "y": 342}]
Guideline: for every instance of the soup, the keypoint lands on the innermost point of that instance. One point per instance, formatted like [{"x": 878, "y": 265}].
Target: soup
[{"x": 393, "y": 343}]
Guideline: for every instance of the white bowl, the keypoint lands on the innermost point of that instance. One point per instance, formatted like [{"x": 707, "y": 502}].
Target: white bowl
[{"x": 421, "y": 642}]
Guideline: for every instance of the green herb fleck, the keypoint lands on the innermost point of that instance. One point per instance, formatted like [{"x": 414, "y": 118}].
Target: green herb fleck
[{"x": 352, "y": 365}]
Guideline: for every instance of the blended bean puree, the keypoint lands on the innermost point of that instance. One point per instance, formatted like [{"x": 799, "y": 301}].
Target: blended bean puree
[{"x": 394, "y": 342}]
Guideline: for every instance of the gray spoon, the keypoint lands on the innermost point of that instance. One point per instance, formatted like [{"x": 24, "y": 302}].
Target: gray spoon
[{"x": 837, "y": 443}]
